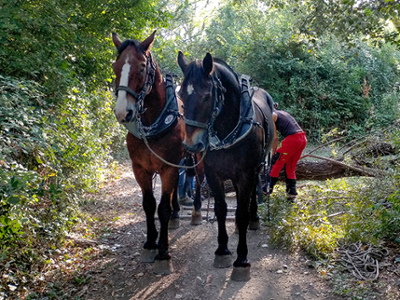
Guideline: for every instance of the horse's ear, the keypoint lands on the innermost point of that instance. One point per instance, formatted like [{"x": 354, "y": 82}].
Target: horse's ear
[
  {"x": 208, "y": 64},
  {"x": 146, "y": 44},
  {"x": 117, "y": 41},
  {"x": 182, "y": 62}
]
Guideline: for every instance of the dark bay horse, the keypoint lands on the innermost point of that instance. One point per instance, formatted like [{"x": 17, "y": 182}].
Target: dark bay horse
[
  {"x": 147, "y": 106},
  {"x": 237, "y": 132}
]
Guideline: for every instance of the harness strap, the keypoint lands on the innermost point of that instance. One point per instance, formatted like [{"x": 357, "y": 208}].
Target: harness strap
[
  {"x": 195, "y": 123},
  {"x": 128, "y": 90}
]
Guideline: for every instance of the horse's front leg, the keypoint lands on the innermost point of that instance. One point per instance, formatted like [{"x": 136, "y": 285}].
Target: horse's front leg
[
  {"x": 150, "y": 247},
  {"x": 241, "y": 267},
  {"x": 163, "y": 264},
  {"x": 223, "y": 257}
]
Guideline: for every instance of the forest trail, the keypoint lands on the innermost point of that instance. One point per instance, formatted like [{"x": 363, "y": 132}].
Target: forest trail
[{"x": 116, "y": 271}]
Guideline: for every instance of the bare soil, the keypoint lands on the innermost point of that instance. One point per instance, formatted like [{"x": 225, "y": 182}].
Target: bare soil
[{"x": 113, "y": 269}]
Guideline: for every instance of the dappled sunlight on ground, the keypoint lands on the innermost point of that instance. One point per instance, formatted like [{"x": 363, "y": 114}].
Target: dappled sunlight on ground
[{"x": 116, "y": 271}]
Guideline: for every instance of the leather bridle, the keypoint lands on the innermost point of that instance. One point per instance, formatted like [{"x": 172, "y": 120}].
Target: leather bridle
[
  {"x": 149, "y": 81},
  {"x": 218, "y": 103}
]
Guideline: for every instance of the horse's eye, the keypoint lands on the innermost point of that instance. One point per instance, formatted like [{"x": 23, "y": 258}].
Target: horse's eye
[{"x": 207, "y": 97}]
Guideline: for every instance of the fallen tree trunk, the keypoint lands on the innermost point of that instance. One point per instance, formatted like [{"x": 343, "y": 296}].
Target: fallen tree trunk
[
  {"x": 330, "y": 169},
  {"x": 327, "y": 168},
  {"x": 323, "y": 170}
]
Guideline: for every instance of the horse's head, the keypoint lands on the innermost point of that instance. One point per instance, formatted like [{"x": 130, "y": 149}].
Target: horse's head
[
  {"x": 197, "y": 93},
  {"x": 134, "y": 70}
]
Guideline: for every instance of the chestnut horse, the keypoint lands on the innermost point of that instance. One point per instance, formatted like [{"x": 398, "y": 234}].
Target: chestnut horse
[
  {"x": 148, "y": 108},
  {"x": 233, "y": 124}
]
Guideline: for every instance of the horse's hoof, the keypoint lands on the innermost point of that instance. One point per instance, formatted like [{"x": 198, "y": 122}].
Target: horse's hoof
[
  {"x": 163, "y": 267},
  {"x": 174, "y": 223},
  {"x": 222, "y": 261},
  {"x": 148, "y": 255},
  {"x": 240, "y": 274},
  {"x": 254, "y": 225},
  {"x": 197, "y": 219}
]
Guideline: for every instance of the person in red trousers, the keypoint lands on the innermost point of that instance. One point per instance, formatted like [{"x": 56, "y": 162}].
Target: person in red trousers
[{"x": 288, "y": 153}]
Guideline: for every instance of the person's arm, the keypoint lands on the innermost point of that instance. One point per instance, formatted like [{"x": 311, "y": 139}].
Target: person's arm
[{"x": 276, "y": 141}]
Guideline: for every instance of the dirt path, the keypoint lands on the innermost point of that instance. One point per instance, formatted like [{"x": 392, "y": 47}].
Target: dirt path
[{"x": 116, "y": 272}]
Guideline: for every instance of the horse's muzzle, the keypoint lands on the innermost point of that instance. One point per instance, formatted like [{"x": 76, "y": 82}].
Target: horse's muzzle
[
  {"x": 196, "y": 140},
  {"x": 196, "y": 148},
  {"x": 126, "y": 117}
]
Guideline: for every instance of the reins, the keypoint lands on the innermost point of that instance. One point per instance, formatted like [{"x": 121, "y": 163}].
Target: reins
[{"x": 169, "y": 163}]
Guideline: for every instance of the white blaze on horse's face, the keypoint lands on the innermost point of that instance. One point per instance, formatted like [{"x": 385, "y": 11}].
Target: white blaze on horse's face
[
  {"x": 190, "y": 89},
  {"x": 122, "y": 100}
]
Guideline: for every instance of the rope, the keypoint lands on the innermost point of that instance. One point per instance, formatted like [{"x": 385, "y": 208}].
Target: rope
[
  {"x": 169, "y": 163},
  {"x": 362, "y": 261}
]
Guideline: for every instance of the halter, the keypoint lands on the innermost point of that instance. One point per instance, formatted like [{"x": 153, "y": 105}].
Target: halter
[
  {"x": 149, "y": 81},
  {"x": 218, "y": 103}
]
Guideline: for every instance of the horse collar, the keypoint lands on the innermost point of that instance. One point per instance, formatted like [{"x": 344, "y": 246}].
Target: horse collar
[{"x": 246, "y": 120}]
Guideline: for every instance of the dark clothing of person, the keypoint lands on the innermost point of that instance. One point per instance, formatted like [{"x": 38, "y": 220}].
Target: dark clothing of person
[{"x": 286, "y": 124}]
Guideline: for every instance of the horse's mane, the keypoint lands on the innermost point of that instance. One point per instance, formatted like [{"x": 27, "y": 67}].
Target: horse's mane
[
  {"x": 221, "y": 62},
  {"x": 196, "y": 66},
  {"x": 127, "y": 43}
]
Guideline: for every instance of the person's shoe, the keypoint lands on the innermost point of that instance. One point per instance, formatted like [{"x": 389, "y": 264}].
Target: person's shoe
[
  {"x": 291, "y": 189},
  {"x": 186, "y": 201},
  {"x": 291, "y": 198}
]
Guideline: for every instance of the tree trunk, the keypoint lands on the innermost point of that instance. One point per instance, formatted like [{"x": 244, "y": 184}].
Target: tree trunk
[{"x": 322, "y": 170}]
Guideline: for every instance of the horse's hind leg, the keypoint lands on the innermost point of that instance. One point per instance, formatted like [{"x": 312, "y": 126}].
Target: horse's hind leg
[
  {"x": 174, "y": 221},
  {"x": 254, "y": 218},
  {"x": 197, "y": 219}
]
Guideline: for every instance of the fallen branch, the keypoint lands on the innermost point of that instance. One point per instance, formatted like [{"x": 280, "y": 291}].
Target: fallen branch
[{"x": 362, "y": 261}]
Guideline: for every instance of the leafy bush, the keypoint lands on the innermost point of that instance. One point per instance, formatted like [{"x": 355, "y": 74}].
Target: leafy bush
[
  {"x": 328, "y": 214},
  {"x": 49, "y": 156},
  {"x": 60, "y": 44},
  {"x": 323, "y": 81}
]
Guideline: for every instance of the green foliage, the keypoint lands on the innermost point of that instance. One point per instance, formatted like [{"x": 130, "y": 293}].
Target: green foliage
[
  {"x": 58, "y": 132},
  {"x": 324, "y": 82},
  {"x": 62, "y": 44},
  {"x": 49, "y": 156},
  {"x": 342, "y": 211},
  {"x": 346, "y": 19}
]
